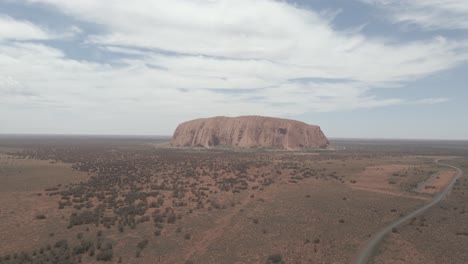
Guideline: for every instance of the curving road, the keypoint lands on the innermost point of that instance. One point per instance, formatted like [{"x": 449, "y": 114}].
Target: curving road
[{"x": 369, "y": 248}]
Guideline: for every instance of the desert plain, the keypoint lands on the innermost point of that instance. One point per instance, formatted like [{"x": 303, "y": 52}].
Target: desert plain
[{"x": 93, "y": 199}]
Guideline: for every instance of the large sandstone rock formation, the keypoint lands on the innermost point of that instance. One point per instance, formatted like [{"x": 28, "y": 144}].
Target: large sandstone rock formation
[{"x": 248, "y": 132}]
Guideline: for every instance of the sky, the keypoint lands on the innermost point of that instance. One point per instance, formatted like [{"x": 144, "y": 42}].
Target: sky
[{"x": 357, "y": 68}]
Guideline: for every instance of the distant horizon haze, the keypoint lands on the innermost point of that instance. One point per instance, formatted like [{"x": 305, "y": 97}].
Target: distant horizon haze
[{"x": 170, "y": 136}]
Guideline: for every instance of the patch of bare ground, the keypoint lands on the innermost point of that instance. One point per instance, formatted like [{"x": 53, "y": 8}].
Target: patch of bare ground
[
  {"x": 28, "y": 216},
  {"x": 392, "y": 193},
  {"x": 395, "y": 179},
  {"x": 439, "y": 183},
  {"x": 221, "y": 225},
  {"x": 20, "y": 174},
  {"x": 379, "y": 177}
]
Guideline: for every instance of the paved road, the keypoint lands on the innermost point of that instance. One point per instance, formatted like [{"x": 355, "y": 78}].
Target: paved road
[{"x": 367, "y": 251}]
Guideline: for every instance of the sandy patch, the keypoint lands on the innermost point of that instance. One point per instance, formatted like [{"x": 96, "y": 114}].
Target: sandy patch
[
  {"x": 393, "y": 193},
  {"x": 17, "y": 175},
  {"x": 439, "y": 183},
  {"x": 378, "y": 177}
]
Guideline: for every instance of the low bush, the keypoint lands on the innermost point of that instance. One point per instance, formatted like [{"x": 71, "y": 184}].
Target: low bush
[{"x": 275, "y": 258}]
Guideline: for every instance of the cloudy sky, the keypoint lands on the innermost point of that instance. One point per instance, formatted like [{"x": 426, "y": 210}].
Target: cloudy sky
[{"x": 357, "y": 68}]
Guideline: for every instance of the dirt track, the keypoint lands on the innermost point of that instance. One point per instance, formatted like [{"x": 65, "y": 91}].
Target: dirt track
[{"x": 365, "y": 252}]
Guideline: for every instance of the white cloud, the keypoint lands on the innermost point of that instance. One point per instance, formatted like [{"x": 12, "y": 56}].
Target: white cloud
[
  {"x": 186, "y": 59},
  {"x": 428, "y": 14},
  {"x": 21, "y": 30},
  {"x": 11, "y": 29},
  {"x": 429, "y": 101}
]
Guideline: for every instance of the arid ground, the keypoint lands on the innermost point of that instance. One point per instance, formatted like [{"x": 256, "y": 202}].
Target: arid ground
[{"x": 70, "y": 199}]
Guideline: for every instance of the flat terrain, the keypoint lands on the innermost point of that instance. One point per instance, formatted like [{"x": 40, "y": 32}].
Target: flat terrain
[
  {"x": 23, "y": 198},
  {"x": 440, "y": 235},
  {"x": 67, "y": 199}
]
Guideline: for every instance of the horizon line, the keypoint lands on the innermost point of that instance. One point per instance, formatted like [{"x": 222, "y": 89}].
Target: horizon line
[{"x": 154, "y": 135}]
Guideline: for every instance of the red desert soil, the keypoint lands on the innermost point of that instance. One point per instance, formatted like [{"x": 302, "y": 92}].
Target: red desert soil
[
  {"x": 248, "y": 132},
  {"x": 400, "y": 251},
  {"x": 440, "y": 182},
  {"x": 201, "y": 246},
  {"x": 288, "y": 214},
  {"x": 22, "y": 198},
  {"x": 376, "y": 179}
]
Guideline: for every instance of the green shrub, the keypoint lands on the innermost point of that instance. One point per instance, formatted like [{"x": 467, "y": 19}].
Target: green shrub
[
  {"x": 275, "y": 258},
  {"x": 40, "y": 216},
  {"x": 105, "y": 255},
  {"x": 142, "y": 244}
]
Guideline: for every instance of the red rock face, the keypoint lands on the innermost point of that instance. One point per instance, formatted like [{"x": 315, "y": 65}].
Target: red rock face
[{"x": 249, "y": 132}]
